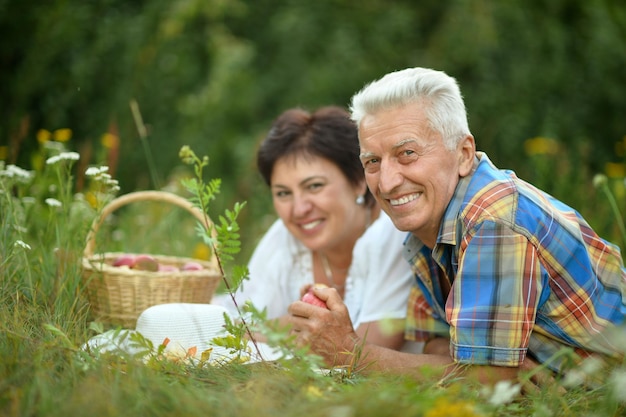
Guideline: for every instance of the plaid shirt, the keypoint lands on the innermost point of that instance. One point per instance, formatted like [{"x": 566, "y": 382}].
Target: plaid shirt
[{"x": 525, "y": 273}]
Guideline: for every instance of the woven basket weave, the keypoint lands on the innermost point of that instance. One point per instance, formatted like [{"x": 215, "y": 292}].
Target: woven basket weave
[{"x": 117, "y": 296}]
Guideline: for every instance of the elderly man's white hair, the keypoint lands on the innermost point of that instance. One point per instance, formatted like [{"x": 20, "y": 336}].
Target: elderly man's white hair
[{"x": 438, "y": 91}]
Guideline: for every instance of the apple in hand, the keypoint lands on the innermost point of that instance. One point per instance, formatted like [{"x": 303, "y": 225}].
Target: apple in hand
[{"x": 313, "y": 299}]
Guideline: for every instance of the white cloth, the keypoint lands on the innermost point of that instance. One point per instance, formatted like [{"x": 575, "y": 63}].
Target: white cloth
[{"x": 377, "y": 285}]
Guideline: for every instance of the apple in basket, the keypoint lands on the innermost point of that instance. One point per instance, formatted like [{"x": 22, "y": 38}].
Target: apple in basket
[
  {"x": 168, "y": 268},
  {"x": 124, "y": 260},
  {"x": 145, "y": 263},
  {"x": 138, "y": 262},
  {"x": 192, "y": 266},
  {"x": 313, "y": 299}
]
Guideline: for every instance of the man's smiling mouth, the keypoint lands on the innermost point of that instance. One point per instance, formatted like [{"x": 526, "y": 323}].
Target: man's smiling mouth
[{"x": 403, "y": 200}]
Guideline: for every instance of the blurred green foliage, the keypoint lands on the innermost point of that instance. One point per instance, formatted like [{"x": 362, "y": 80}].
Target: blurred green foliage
[{"x": 213, "y": 74}]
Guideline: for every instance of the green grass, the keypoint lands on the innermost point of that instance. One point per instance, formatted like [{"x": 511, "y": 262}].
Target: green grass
[{"x": 45, "y": 319}]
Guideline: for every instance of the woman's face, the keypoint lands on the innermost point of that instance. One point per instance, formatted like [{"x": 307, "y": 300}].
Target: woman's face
[{"x": 315, "y": 201}]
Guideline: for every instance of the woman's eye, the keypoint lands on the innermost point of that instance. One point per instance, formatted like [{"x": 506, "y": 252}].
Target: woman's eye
[
  {"x": 315, "y": 186},
  {"x": 281, "y": 194}
]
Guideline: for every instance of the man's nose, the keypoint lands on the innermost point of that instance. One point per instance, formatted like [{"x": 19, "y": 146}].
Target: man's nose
[{"x": 390, "y": 177}]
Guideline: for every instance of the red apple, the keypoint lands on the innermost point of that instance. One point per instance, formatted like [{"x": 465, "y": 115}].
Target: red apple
[
  {"x": 145, "y": 263},
  {"x": 168, "y": 268},
  {"x": 313, "y": 299},
  {"x": 192, "y": 266},
  {"x": 124, "y": 260}
]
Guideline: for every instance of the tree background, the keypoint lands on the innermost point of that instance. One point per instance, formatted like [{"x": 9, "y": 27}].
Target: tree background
[{"x": 213, "y": 74}]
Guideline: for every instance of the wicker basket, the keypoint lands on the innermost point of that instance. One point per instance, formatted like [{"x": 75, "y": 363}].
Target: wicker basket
[{"x": 118, "y": 295}]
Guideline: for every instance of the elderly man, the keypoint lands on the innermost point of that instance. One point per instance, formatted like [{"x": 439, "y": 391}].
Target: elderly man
[{"x": 506, "y": 275}]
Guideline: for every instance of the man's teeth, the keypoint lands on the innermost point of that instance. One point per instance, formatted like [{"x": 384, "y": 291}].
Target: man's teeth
[
  {"x": 403, "y": 200},
  {"x": 311, "y": 225}
]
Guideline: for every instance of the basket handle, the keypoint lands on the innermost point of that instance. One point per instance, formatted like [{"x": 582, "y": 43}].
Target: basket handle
[{"x": 142, "y": 196}]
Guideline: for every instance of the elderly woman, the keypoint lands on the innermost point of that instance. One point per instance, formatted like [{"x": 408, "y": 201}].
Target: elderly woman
[{"x": 330, "y": 230}]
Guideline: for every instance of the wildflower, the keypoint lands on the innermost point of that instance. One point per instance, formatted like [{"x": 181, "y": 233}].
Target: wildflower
[
  {"x": 20, "y": 229},
  {"x": 43, "y": 135},
  {"x": 444, "y": 408},
  {"x": 21, "y": 244},
  {"x": 13, "y": 171},
  {"x": 28, "y": 200},
  {"x": 62, "y": 135},
  {"x": 70, "y": 156},
  {"x": 541, "y": 146},
  {"x": 313, "y": 392},
  {"x": 599, "y": 180},
  {"x": 110, "y": 141},
  {"x": 53, "y": 202},
  {"x": 95, "y": 171},
  {"x": 587, "y": 369},
  {"x": 615, "y": 170},
  {"x": 504, "y": 392},
  {"x": 100, "y": 174},
  {"x": 202, "y": 251},
  {"x": 618, "y": 381}
]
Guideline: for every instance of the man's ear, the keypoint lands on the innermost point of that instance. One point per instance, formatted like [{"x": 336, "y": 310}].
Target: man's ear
[{"x": 466, "y": 151}]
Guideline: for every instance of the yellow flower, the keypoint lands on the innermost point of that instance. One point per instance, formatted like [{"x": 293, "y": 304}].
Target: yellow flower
[
  {"x": 62, "y": 135},
  {"x": 615, "y": 170},
  {"x": 43, "y": 136},
  {"x": 92, "y": 199},
  {"x": 313, "y": 392},
  {"x": 110, "y": 141},
  {"x": 541, "y": 146},
  {"x": 4, "y": 152},
  {"x": 445, "y": 408},
  {"x": 202, "y": 251}
]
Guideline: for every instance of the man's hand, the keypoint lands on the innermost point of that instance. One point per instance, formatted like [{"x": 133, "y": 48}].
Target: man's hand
[{"x": 328, "y": 332}]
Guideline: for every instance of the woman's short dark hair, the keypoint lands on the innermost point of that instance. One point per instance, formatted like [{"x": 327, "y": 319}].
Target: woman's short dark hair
[{"x": 328, "y": 133}]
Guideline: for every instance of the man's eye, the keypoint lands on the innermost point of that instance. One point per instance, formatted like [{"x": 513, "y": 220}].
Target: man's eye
[
  {"x": 371, "y": 165},
  {"x": 407, "y": 155}
]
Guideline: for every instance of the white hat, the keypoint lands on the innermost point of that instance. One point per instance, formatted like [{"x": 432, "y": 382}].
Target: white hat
[{"x": 186, "y": 326}]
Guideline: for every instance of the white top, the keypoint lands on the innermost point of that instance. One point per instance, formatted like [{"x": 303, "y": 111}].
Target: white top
[{"x": 377, "y": 285}]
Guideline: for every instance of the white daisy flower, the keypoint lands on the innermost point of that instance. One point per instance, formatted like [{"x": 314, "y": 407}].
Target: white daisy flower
[
  {"x": 53, "y": 202},
  {"x": 13, "y": 171},
  {"x": 69, "y": 156},
  {"x": 22, "y": 244}
]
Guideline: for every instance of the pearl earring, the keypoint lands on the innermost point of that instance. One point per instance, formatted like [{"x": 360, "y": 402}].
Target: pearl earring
[{"x": 360, "y": 200}]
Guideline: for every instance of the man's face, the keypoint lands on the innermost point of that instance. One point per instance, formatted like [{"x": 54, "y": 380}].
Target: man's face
[{"x": 409, "y": 170}]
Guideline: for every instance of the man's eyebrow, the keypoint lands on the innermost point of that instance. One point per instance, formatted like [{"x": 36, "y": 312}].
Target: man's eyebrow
[
  {"x": 365, "y": 155},
  {"x": 404, "y": 142}
]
